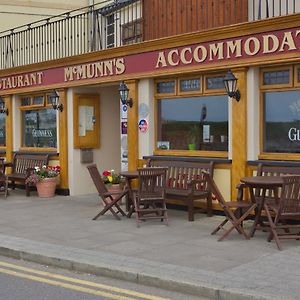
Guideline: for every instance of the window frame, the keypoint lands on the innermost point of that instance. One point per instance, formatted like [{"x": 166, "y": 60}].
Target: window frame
[
  {"x": 35, "y": 107},
  {"x": 178, "y": 94},
  {"x": 135, "y": 38},
  {"x": 292, "y": 86}
]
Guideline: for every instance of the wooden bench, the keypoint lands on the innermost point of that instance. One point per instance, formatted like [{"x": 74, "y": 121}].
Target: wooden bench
[
  {"x": 185, "y": 182},
  {"x": 22, "y": 166}
]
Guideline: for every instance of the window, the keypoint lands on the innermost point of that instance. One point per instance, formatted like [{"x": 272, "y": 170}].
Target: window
[
  {"x": 2, "y": 130},
  {"x": 132, "y": 32},
  {"x": 190, "y": 122},
  {"x": 110, "y": 31},
  {"x": 281, "y": 112},
  {"x": 38, "y": 122}
]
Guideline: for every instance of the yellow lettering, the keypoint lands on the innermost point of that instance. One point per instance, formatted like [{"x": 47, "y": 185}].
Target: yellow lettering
[
  {"x": 288, "y": 41},
  {"x": 26, "y": 80},
  {"x": 256, "y": 46},
  {"x": 203, "y": 54},
  {"x": 170, "y": 58},
  {"x": 161, "y": 60},
  {"x": 90, "y": 70},
  {"x": 120, "y": 66},
  {"x": 39, "y": 77},
  {"x": 183, "y": 56},
  {"x": 268, "y": 39},
  {"x": 68, "y": 74},
  {"x": 216, "y": 49},
  {"x": 108, "y": 66},
  {"x": 234, "y": 47}
]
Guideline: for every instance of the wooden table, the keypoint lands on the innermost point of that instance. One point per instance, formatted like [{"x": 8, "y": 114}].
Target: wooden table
[
  {"x": 265, "y": 183},
  {"x": 129, "y": 176}
]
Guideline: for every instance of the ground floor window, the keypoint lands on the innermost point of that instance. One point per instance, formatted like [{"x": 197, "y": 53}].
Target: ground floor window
[
  {"x": 281, "y": 110},
  {"x": 281, "y": 126},
  {"x": 196, "y": 123},
  {"x": 39, "y": 125},
  {"x": 2, "y": 130}
]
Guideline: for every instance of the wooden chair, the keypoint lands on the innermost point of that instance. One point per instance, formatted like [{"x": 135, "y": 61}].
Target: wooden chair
[
  {"x": 3, "y": 178},
  {"x": 149, "y": 200},
  {"x": 235, "y": 211},
  {"x": 288, "y": 209},
  {"x": 110, "y": 199}
]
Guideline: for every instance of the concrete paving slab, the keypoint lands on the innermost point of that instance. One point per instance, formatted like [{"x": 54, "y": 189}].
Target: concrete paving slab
[{"x": 183, "y": 256}]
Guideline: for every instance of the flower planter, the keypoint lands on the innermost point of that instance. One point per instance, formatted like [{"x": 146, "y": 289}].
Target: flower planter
[
  {"x": 46, "y": 187},
  {"x": 114, "y": 188}
]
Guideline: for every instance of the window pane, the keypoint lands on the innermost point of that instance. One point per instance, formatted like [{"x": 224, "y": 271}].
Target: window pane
[
  {"x": 215, "y": 83},
  {"x": 2, "y": 130},
  {"x": 298, "y": 75},
  {"x": 189, "y": 85},
  {"x": 38, "y": 100},
  {"x": 166, "y": 87},
  {"x": 195, "y": 123},
  {"x": 25, "y": 101},
  {"x": 277, "y": 77},
  {"x": 39, "y": 128},
  {"x": 281, "y": 132}
]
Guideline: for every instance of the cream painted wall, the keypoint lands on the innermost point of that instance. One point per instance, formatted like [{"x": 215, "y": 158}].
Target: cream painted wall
[
  {"x": 253, "y": 113},
  {"x": 146, "y": 96},
  {"x": 108, "y": 155},
  {"x": 222, "y": 178},
  {"x": 16, "y": 121},
  {"x": 20, "y": 12}
]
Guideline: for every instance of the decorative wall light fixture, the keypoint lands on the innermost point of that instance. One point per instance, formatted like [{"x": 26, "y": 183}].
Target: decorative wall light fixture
[
  {"x": 3, "y": 109},
  {"x": 123, "y": 90},
  {"x": 230, "y": 83},
  {"x": 54, "y": 98}
]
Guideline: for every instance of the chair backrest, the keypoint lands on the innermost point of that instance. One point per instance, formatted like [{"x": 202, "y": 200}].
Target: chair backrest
[
  {"x": 267, "y": 170},
  {"x": 290, "y": 196},
  {"x": 96, "y": 177},
  {"x": 152, "y": 182}
]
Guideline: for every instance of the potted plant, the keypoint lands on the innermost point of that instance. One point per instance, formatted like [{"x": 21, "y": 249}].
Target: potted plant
[
  {"x": 193, "y": 137},
  {"x": 112, "y": 180},
  {"x": 45, "y": 179}
]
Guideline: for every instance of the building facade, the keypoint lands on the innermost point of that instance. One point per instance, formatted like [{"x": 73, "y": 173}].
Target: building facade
[{"x": 173, "y": 56}]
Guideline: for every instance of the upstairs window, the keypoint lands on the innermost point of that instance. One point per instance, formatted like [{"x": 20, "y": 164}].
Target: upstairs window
[
  {"x": 132, "y": 32},
  {"x": 110, "y": 31}
]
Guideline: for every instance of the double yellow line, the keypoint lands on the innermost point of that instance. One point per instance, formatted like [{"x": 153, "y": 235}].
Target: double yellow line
[{"x": 71, "y": 283}]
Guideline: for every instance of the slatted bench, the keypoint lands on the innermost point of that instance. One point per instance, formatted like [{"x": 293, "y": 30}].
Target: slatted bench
[
  {"x": 185, "y": 182},
  {"x": 23, "y": 165}
]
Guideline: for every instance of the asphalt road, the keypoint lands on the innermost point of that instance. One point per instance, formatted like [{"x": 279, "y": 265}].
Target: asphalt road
[{"x": 21, "y": 280}]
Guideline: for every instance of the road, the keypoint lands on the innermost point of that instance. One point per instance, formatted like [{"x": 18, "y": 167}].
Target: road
[{"x": 20, "y": 280}]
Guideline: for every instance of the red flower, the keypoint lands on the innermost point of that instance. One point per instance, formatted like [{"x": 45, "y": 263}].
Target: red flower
[{"x": 106, "y": 173}]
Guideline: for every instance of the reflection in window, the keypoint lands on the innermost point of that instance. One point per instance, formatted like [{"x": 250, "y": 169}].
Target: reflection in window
[
  {"x": 39, "y": 128},
  {"x": 2, "y": 130},
  {"x": 276, "y": 77},
  {"x": 281, "y": 126},
  {"x": 165, "y": 87},
  {"x": 195, "y": 123},
  {"x": 214, "y": 83}
]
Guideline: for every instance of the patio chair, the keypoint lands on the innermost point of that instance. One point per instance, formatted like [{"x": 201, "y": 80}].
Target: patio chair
[
  {"x": 3, "y": 178},
  {"x": 149, "y": 200},
  {"x": 287, "y": 211},
  {"x": 235, "y": 211},
  {"x": 110, "y": 199}
]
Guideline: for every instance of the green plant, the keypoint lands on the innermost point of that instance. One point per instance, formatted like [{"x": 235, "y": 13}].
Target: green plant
[
  {"x": 193, "y": 134},
  {"x": 42, "y": 173},
  {"x": 110, "y": 176}
]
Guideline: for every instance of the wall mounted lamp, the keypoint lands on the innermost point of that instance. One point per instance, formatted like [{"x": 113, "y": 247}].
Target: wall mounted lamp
[
  {"x": 123, "y": 90},
  {"x": 230, "y": 83},
  {"x": 3, "y": 109},
  {"x": 54, "y": 98}
]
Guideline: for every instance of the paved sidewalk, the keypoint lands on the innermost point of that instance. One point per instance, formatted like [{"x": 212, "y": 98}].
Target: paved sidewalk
[{"x": 183, "y": 256}]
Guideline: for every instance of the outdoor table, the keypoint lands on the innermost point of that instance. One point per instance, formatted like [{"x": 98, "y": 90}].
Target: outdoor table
[
  {"x": 265, "y": 183},
  {"x": 129, "y": 176}
]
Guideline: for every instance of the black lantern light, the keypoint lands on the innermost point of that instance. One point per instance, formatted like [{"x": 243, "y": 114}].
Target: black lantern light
[
  {"x": 230, "y": 83},
  {"x": 123, "y": 90},
  {"x": 3, "y": 109},
  {"x": 54, "y": 98}
]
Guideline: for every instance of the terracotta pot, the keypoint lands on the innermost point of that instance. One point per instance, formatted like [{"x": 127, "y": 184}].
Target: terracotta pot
[
  {"x": 114, "y": 188},
  {"x": 46, "y": 187}
]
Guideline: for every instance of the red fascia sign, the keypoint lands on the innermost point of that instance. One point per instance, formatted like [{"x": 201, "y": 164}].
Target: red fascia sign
[{"x": 238, "y": 49}]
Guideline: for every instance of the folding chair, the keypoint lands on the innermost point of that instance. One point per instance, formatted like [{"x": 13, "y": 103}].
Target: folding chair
[
  {"x": 110, "y": 200},
  {"x": 235, "y": 211},
  {"x": 286, "y": 211},
  {"x": 149, "y": 200}
]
